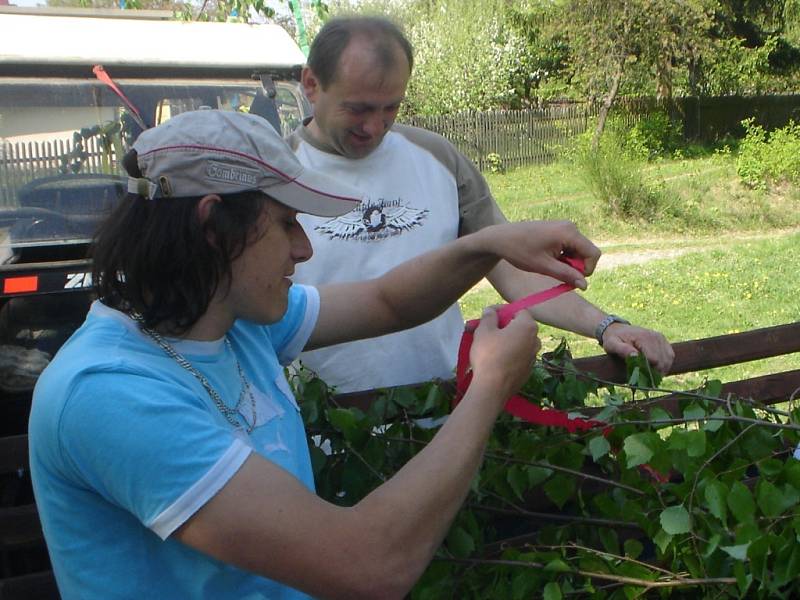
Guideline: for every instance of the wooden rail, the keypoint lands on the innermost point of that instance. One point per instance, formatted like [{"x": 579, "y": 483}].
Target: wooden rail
[{"x": 693, "y": 356}]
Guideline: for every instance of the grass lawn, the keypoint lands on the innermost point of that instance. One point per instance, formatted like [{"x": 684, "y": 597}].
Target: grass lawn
[{"x": 737, "y": 272}]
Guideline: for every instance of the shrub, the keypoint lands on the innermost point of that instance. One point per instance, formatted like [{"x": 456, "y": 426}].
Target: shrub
[
  {"x": 655, "y": 135},
  {"x": 614, "y": 175},
  {"x": 769, "y": 158}
]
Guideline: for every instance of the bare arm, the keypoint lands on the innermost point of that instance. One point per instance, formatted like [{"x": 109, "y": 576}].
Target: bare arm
[
  {"x": 423, "y": 287},
  {"x": 265, "y": 521},
  {"x": 573, "y": 313}
]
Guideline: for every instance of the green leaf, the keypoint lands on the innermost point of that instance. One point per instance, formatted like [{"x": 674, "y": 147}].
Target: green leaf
[
  {"x": 460, "y": 542},
  {"x": 607, "y": 413},
  {"x": 675, "y": 520},
  {"x": 715, "y": 494},
  {"x": 694, "y": 411},
  {"x": 743, "y": 578},
  {"x": 791, "y": 471},
  {"x": 599, "y": 447},
  {"x": 696, "y": 443},
  {"x": 432, "y": 399},
  {"x": 552, "y": 591},
  {"x": 713, "y": 388},
  {"x": 636, "y": 449},
  {"x": 633, "y": 379},
  {"x": 770, "y": 499},
  {"x": 632, "y": 592},
  {"x": 610, "y": 540},
  {"x": 758, "y": 553},
  {"x": 659, "y": 414},
  {"x": 633, "y": 548},
  {"x": 517, "y": 478},
  {"x": 537, "y": 475},
  {"x": 346, "y": 420},
  {"x": 524, "y": 585},
  {"x": 662, "y": 539},
  {"x": 741, "y": 503},
  {"x": 560, "y": 489},
  {"x": 678, "y": 439},
  {"x": 404, "y": 396},
  {"x": 770, "y": 467},
  {"x": 738, "y": 552},
  {"x": 713, "y": 544},
  {"x": 557, "y": 565},
  {"x": 713, "y": 425},
  {"x": 787, "y": 563}
]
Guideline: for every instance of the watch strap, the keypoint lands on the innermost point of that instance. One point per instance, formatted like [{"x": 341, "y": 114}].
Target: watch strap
[{"x": 604, "y": 324}]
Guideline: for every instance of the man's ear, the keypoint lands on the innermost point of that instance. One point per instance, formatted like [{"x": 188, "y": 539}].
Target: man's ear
[
  {"x": 204, "y": 208},
  {"x": 310, "y": 83}
]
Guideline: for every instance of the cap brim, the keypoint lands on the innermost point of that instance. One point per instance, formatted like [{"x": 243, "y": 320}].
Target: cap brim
[{"x": 316, "y": 194}]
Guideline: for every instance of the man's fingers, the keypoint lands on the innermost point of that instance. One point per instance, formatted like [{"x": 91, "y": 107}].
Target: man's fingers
[{"x": 563, "y": 272}]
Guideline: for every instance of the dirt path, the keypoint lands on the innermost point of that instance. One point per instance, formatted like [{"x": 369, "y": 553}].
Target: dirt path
[{"x": 616, "y": 253}]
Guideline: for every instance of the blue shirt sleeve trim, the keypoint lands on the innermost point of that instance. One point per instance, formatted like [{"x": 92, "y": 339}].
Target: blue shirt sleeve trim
[{"x": 201, "y": 492}]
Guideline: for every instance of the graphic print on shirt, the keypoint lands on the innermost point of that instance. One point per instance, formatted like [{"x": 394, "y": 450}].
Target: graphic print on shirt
[{"x": 374, "y": 220}]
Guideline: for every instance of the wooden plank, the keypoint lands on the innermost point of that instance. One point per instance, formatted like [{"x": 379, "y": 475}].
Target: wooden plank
[
  {"x": 13, "y": 453},
  {"x": 767, "y": 389},
  {"x": 20, "y": 528},
  {"x": 698, "y": 355},
  {"x": 34, "y": 586}
]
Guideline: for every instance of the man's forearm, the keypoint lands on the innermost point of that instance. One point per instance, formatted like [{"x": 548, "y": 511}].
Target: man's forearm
[{"x": 569, "y": 311}]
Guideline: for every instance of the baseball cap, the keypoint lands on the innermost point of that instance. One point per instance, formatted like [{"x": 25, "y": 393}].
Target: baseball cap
[{"x": 223, "y": 152}]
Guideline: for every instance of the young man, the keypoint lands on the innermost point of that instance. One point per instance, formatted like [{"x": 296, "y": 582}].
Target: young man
[
  {"x": 167, "y": 451},
  {"x": 421, "y": 193}
]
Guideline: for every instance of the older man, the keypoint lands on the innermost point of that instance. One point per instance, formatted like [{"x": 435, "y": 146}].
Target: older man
[{"x": 421, "y": 193}]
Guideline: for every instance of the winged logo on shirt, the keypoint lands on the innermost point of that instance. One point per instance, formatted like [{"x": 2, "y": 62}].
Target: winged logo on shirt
[{"x": 374, "y": 221}]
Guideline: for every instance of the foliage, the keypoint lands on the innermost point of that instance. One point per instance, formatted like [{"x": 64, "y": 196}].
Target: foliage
[
  {"x": 466, "y": 57},
  {"x": 654, "y": 135},
  {"x": 475, "y": 55},
  {"x": 638, "y": 36},
  {"x": 614, "y": 173},
  {"x": 468, "y": 54},
  {"x": 769, "y": 158},
  {"x": 733, "y": 68},
  {"x": 701, "y": 499}
]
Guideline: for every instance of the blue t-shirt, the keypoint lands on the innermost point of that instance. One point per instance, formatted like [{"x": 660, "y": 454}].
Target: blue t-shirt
[{"x": 126, "y": 445}]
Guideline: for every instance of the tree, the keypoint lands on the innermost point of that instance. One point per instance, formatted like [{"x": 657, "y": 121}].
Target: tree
[{"x": 648, "y": 39}]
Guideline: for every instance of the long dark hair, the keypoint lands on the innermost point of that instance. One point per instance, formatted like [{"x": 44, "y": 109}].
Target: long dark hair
[{"x": 154, "y": 257}]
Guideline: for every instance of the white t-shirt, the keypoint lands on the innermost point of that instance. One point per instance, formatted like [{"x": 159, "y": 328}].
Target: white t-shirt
[{"x": 420, "y": 193}]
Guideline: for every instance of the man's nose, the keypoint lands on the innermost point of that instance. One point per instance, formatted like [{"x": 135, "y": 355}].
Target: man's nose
[
  {"x": 376, "y": 124},
  {"x": 301, "y": 245}
]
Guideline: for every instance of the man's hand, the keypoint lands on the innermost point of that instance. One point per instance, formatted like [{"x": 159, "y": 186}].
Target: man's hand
[
  {"x": 503, "y": 357},
  {"x": 537, "y": 246},
  {"x": 626, "y": 340}
]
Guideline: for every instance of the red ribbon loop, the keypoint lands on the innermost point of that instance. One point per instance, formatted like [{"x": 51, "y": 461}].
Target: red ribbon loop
[{"x": 517, "y": 405}]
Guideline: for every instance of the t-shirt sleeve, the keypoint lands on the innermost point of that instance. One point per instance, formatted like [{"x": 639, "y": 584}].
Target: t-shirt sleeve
[
  {"x": 290, "y": 335},
  {"x": 476, "y": 205},
  {"x": 148, "y": 446}
]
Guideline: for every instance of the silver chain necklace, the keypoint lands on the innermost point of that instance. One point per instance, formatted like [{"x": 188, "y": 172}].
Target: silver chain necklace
[{"x": 230, "y": 414}]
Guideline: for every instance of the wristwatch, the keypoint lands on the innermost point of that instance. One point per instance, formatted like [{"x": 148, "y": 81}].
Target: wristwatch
[{"x": 603, "y": 325}]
